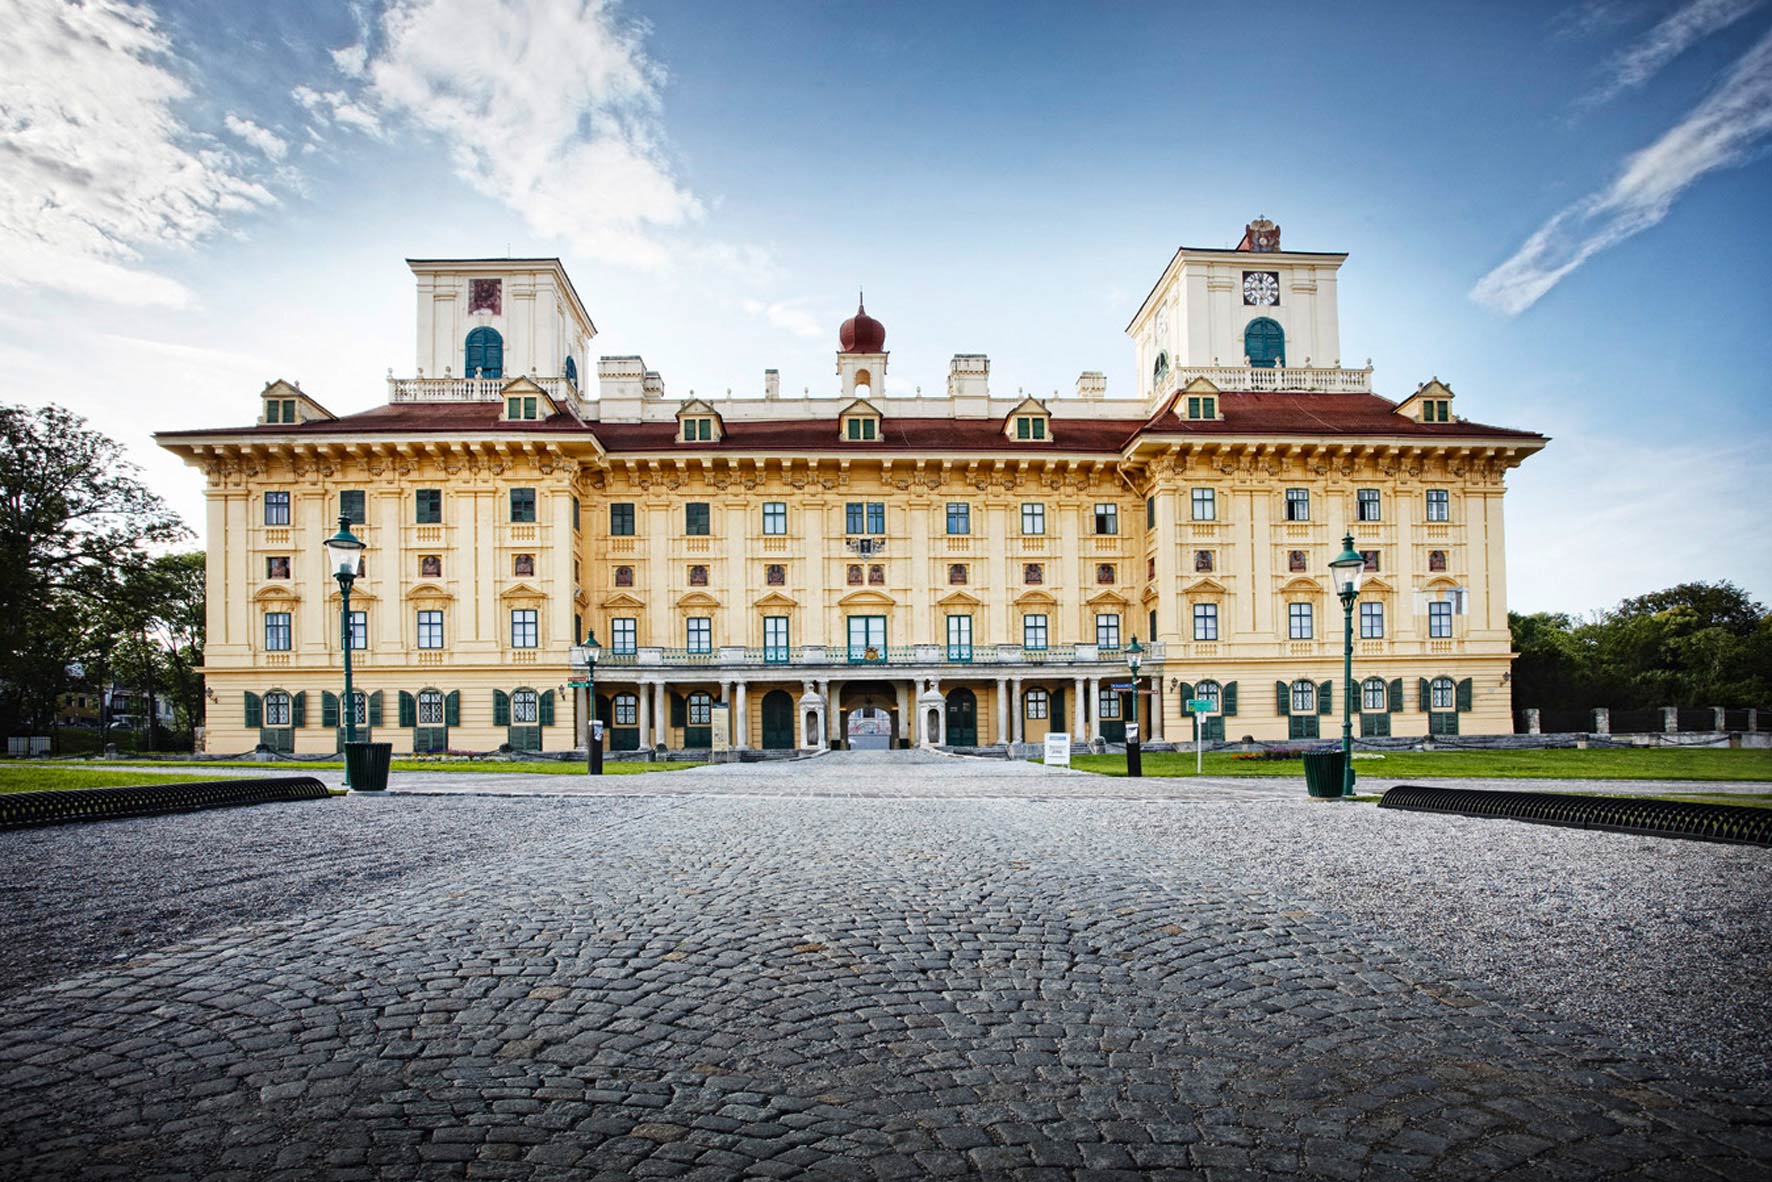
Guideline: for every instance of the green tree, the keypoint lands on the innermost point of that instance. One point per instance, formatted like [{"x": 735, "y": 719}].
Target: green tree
[{"x": 71, "y": 509}]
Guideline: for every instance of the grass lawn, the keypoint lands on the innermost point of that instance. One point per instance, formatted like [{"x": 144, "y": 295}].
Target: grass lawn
[
  {"x": 545, "y": 767},
  {"x": 44, "y": 777},
  {"x": 1646, "y": 763}
]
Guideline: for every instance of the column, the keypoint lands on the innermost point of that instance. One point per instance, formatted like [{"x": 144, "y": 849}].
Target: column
[
  {"x": 1094, "y": 709},
  {"x": 1156, "y": 720},
  {"x": 827, "y": 730},
  {"x": 644, "y": 692},
  {"x": 1002, "y": 710},
  {"x": 731, "y": 710},
  {"x": 1077, "y": 710},
  {"x": 1015, "y": 709},
  {"x": 583, "y": 705},
  {"x": 742, "y": 717},
  {"x": 661, "y": 715}
]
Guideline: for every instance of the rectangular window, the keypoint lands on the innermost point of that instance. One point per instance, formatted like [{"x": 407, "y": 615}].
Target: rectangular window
[
  {"x": 1107, "y": 630},
  {"x": 1372, "y": 621},
  {"x": 430, "y": 629},
  {"x": 277, "y": 632},
  {"x": 575, "y": 512},
  {"x": 1037, "y": 704},
  {"x": 1033, "y": 520},
  {"x": 276, "y": 508},
  {"x": 697, "y": 521},
  {"x": 359, "y": 630},
  {"x": 625, "y": 634},
  {"x": 959, "y": 638},
  {"x": 700, "y": 634},
  {"x": 959, "y": 518},
  {"x": 522, "y": 504},
  {"x": 775, "y": 639},
  {"x": 866, "y": 633},
  {"x": 1298, "y": 504},
  {"x": 1205, "y": 621},
  {"x": 1439, "y": 505},
  {"x": 1150, "y": 512},
  {"x": 1368, "y": 504},
  {"x": 876, "y": 517},
  {"x": 351, "y": 506},
  {"x": 1439, "y": 620},
  {"x": 1205, "y": 502},
  {"x": 1107, "y": 519},
  {"x": 1300, "y": 620},
  {"x": 1108, "y": 705},
  {"x": 1202, "y": 408},
  {"x": 1373, "y": 697},
  {"x": 864, "y": 517},
  {"x": 1033, "y": 632},
  {"x": 775, "y": 517},
  {"x": 523, "y": 627},
  {"x": 621, "y": 520},
  {"x": 429, "y": 505},
  {"x": 627, "y": 710}
]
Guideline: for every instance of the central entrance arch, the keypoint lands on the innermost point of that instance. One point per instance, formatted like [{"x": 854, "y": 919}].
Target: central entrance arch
[
  {"x": 869, "y": 718},
  {"x": 962, "y": 728}
]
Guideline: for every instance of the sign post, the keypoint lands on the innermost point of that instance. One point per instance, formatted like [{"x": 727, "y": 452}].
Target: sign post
[{"x": 1200, "y": 708}]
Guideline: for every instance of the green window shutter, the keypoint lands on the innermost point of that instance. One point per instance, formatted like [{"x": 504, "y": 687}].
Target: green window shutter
[
  {"x": 298, "y": 709},
  {"x": 1356, "y": 699},
  {"x": 1227, "y": 699},
  {"x": 1396, "y": 696},
  {"x": 255, "y": 711},
  {"x": 375, "y": 709},
  {"x": 408, "y": 709},
  {"x": 1326, "y": 698},
  {"x": 679, "y": 710},
  {"x": 1058, "y": 720},
  {"x": 1187, "y": 691},
  {"x": 501, "y": 708},
  {"x": 452, "y": 709},
  {"x": 1421, "y": 695},
  {"x": 547, "y": 708},
  {"x": 1282, "y": 698},
  {"x": 1465, "y": 694},
  {"x": 328, "y": 709}
]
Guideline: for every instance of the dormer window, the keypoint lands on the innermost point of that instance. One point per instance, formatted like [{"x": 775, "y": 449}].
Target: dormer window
[
  {"x": 860, "y": 429},
  {"x": 699, "y": 422},
  {"x": 279, "y": 410},
  {"x": 1030, "y": 427},
  {"x": 520, "y": 408},
  {"x": 1202, "y": 406},
  {"x": 698, "y": 430},
  {"x": 1436, "y": 410},
  {"x": 1029, "y": 422}
]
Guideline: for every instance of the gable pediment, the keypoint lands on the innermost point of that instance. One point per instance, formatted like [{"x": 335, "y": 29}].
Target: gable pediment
[
  {"x": 861, "y": 406},
  {"x": 959, "y": 599},
  {"x": 1107, "y": 599},
  {"x": 696, "y": 406},
  {"x": 775, "y": 599},
  {"x": 621, "y": 599},
  {"x": 1205, "y": 585},
  {"x": 521, "y": 590},
  {"x": 1374, "y": 583},
  {"x": 698, "y": 599},
  {"x": 867, "y": 599}
]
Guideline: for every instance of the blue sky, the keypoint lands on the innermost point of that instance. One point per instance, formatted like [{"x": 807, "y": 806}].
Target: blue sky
[{"x": 1557, "y": 210}]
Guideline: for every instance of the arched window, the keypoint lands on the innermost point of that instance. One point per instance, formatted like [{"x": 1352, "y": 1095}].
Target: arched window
[
  {"x": 1264, "y": 343},
  {"x": 430, "y": 707},
  {"x": 627, "y": 710},
  {"x": 572, "y": 371},
  {"x": 359, "y": 708},
  {"x": 1373, "y": 695},
  {"x": 1441, "y": 694},
  {"x": 1208, "y": 691},
  {"x": 276, "y": 708},
  {"x": 1160, "y": 373},
  {"x": 486, "y": 354},
  {"x": 525, "y": 707},
  {"x": 1304, "y": 697}
]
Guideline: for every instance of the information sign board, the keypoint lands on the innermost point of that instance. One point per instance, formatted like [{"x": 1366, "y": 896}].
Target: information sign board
[
  {"x": 1201, "y": 705},
  {"x": 1058, "y": 749}
]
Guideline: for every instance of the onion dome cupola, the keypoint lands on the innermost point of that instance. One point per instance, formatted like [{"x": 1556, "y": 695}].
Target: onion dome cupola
[{"x": 861, "y": 333}]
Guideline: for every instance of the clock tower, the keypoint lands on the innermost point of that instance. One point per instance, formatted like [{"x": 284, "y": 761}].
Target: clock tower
[{"x": 1254, "y": 306}]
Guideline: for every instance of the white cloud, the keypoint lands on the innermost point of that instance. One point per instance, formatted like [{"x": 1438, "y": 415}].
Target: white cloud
[
  {"x": 1718, "y": 133},
  {"x": 337, "y": 107},
  {"x": 551, "y": 107},
  {"x": 95, "y": 166},
  {"x": 1667, "y": 40},
  {"x": 788, "y": 315},
  {"x": 351, "y": 59},
  {"x": 264, "y": 139}
]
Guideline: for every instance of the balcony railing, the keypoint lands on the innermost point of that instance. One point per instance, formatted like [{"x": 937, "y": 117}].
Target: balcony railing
[
  {"x": 1315, "y": 379},
  {"x": 454, "y": 389},
  {"x": 927, "y": 655}
]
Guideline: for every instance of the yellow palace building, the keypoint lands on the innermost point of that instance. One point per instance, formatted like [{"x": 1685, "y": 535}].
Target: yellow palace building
[{"x": 858, "y": 567}]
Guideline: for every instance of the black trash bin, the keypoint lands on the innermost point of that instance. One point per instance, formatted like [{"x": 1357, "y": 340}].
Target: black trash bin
[
  {"x": 367, "y": 764},
  {"x": 1324, "y": 773}
]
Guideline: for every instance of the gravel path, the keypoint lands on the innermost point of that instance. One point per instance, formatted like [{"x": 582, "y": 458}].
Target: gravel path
[{"x": 935, "y": 973}]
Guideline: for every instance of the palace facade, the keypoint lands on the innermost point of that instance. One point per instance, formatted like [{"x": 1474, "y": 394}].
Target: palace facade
[{"x": 858, "y": 567}]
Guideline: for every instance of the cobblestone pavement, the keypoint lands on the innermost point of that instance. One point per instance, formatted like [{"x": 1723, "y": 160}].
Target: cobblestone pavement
[{"x": 717, "y": 986}]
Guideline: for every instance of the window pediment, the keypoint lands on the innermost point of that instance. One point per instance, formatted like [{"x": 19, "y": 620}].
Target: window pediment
[
  {"x": 1035, "y": 599},
  {"x": 521, "y": 590},
  {"x": 1376, "y": 584},
  {"x": 699, "y": 422},
  {"x": 860, "y": 422},
  {"x": 959, "y": 599},
  {"x": 1029, "y": 422},
  {"x": 697, "y": 599},
  {"x": 1205, "y": 586},
  {"x": 277, "y": 593},
  {"x": 428, "y": 591},
  {"x": 867, "y": 599},
  {"x": 1302, "y": 585},
  {"x": 1107, "y": 599},
  {"x": 622, "y": 599},
  {"x": 775, "y": 599}
]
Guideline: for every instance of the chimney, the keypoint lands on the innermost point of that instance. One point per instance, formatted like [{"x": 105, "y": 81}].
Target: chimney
[
  {"x": 1092, "y": 385},
  {"x": 772, "y": 384},
  {"x": 653, "y": 385},
  {"x": 969, "y": 376}
]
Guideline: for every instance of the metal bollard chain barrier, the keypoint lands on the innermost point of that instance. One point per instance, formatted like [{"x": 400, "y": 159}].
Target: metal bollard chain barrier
[
  {"x": 19, "y": 810},
  {"x": 1618, "y": 814}
]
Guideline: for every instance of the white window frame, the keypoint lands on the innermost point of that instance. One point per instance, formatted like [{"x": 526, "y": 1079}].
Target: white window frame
[
  {"x": 1107, "y": 630},
  {"x": 1035, "y": 631},
  {"x": 1209, "y": 690},
  {"x": 1033, "y": 519},
  {"x": 1439, "y": 620},
  {"x": 1304, "y": 697},
  {"x": 625, "y": 635},
  {"x": 698, "y": 634},
  {"x": 1107, "y": 705},
  {"x": 699, "y": 709},
  {"x": 525, "y": 708},
  {"x": 625, "y": 709},
  {"x": 284, "y": 632},
  {"x": 1372, "y": 621},
  {"x": 278, "y": 708},
  {"x": 1374, "y": 696},
  {"x": 960, "y": 637},
  {"x": 1301, "y": 621},
  {"x": 283, "y": 505},
  {"x": 430, "y": 629},
  {"x": 1204, "y": 499},
  {"x": 775, "y": 519},
  {"x": 1442, "y": 694},
  {"x": 1205, "y": 621},
  {"x": 1036, "y": 704},
  {"x": 1362, "y": 500},
  {"x": 525, "y": 627},
  {"x": 430, "y": 708}
]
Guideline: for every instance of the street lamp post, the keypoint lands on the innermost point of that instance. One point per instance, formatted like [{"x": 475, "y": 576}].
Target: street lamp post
[
  {"x": 586, "y": 654},
  {"x": 344, "y": 550},
  {"x": 1134, "y": 756},
  {"x": 1347, "y": 569}
]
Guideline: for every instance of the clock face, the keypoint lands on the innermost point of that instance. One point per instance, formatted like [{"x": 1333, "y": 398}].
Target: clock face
[{"x": 1261, "y": 288}]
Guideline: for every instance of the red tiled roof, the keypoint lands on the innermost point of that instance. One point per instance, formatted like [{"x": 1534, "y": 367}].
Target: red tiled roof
[{"x": 1243, "y": 415}]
